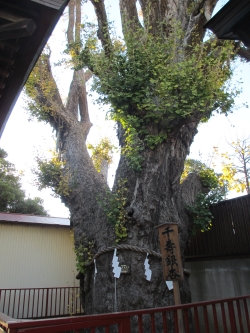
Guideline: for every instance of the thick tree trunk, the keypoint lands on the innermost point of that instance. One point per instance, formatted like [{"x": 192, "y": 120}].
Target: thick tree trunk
[
  {"x": 154, "y": 194},
  {"x": 87, "y": 186},
  {"x": 154, "y": 197}
]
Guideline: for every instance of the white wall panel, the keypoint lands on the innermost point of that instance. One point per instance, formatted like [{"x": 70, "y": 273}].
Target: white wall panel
[{"x": 36, "y": 256}]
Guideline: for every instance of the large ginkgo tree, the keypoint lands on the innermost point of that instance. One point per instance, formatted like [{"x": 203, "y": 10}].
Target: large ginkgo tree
[{"x": 160, "y": 80}]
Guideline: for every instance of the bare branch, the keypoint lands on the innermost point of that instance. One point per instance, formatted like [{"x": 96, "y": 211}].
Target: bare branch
[
  {"x": 71, "y": 24},
  {"x": 88, "y": 75},
  {"x": 72, "y": 101},
  {"x": 209, "y": 7},
  {"x": 190, "y": 188},
  {"x": 82, "y": 93},
  {"x": 129, "y": 15},
  {"x": 78, "y": 21},
  {"x": 77, "y": 103},
  {"x": 201, "y": 12},
  {"x": 151, "y": 14},
  {"x": 244, "y": 53},
  {"x": 103, "y": 32},
  {"x": 165, "y": 10}
]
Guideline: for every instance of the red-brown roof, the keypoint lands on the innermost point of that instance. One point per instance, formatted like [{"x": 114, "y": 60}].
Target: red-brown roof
[{"x": 34, "y": 219}]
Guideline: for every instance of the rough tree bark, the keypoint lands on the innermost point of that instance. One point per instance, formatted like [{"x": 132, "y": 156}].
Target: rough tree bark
[{"x": 154, "y": 195}]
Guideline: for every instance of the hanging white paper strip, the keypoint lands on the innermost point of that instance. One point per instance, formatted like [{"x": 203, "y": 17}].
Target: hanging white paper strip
[
  {"x": 169, "y": 285},
  {"x": 115, "y": 265},
  {"x": 95, "y": 270},
  {"x": 148, "y": 271}
]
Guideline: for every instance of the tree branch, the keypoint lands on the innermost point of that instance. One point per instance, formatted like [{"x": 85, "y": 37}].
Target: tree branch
[
  {"x": 72, "y": 100},
  {"x": 129, "y": 15},
  {"x": 49, "y": 95},
  {"x": 103, "y": 32},
  {"x": 200, "y": 14},
  {"x": 244, "y": 53},
  {"x": 87, "y": 75},
  {"x": 77, "y": 97},
  {"x": 71, "y": 24},
  {"x": 77, "y": 104},
  {"x": 151, "y": 14},
  {"x": 190, "y": 188},
  {"x": 208, "y": 8},
  {"x": 82, "y": 100},
  {"x": 78, "y": 21}
]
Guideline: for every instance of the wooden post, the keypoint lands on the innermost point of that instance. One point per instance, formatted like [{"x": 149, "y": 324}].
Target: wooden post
[
  {"x": 171, "y": 262},
  {"x": 170, "y": 251},
  {"x": 177, "y": 301}
]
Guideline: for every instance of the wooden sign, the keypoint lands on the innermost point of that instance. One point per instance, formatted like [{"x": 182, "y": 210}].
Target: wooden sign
[{"x": 170, "y": 251}]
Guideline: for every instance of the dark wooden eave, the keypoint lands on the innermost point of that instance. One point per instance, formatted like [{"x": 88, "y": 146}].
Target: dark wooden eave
[
  {"x": 232, "y": 21},
  {"x": 25, "y": 26}
]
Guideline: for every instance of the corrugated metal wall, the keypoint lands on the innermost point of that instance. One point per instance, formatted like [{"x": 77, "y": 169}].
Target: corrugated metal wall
[
  {"x": 36, "y": 256},
  {"x": 230, "y": 232}
]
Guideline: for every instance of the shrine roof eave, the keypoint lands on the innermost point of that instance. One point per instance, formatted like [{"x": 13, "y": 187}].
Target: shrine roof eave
[
  {"x": 25, "y": 27},
  {"x": 232, "y": 21}
]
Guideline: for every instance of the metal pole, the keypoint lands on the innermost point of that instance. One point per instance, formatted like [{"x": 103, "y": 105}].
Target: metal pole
[{"x": 115, "y": 305}]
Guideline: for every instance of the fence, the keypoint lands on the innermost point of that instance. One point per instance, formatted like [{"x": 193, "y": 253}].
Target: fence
[
  {"x": 230, "y": 232},
  {"x": 40, "y": 302},
  {"x": 228, "y": 316}
]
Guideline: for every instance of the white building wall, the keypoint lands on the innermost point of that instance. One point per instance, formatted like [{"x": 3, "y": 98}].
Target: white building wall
[{"x": 36, "y": 257}]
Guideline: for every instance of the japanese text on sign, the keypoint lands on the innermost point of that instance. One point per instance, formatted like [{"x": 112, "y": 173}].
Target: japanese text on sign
[{"x": 170, "y": 251}]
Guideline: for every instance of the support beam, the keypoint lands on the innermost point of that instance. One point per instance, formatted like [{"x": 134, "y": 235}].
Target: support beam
[
  {"x": 17, "y": 29},
  {"x": 7, "y": 60},
  {"x": 9, "y": 16},
  {"x": 4, "y": 73},
  {"x": 11, "y": 45}
]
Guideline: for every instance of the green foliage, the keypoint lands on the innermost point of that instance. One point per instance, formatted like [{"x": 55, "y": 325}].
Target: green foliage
[
  {"x": 30, "y": 206},
  {"x": 208, "y": 177},
  {"x": 53, "y": 173},
  {"x": 10, "y": 184},
  {"x": 41, "y": 83},
  {"x": 102, "y": 151},
  {"x": 12, "y": 197},
  {"x": 114, "y": 206},
  {"x": 154, "y": 82},
  {"x": 3, "y": 155},
  {"x": 84, "y": 254},
  {"x": 200, "y": 210}
]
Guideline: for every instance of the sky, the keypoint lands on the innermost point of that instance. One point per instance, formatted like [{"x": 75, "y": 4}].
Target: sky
[
  {"x": 221, "y": 129},
  {"x": 24, "y": 140}
]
